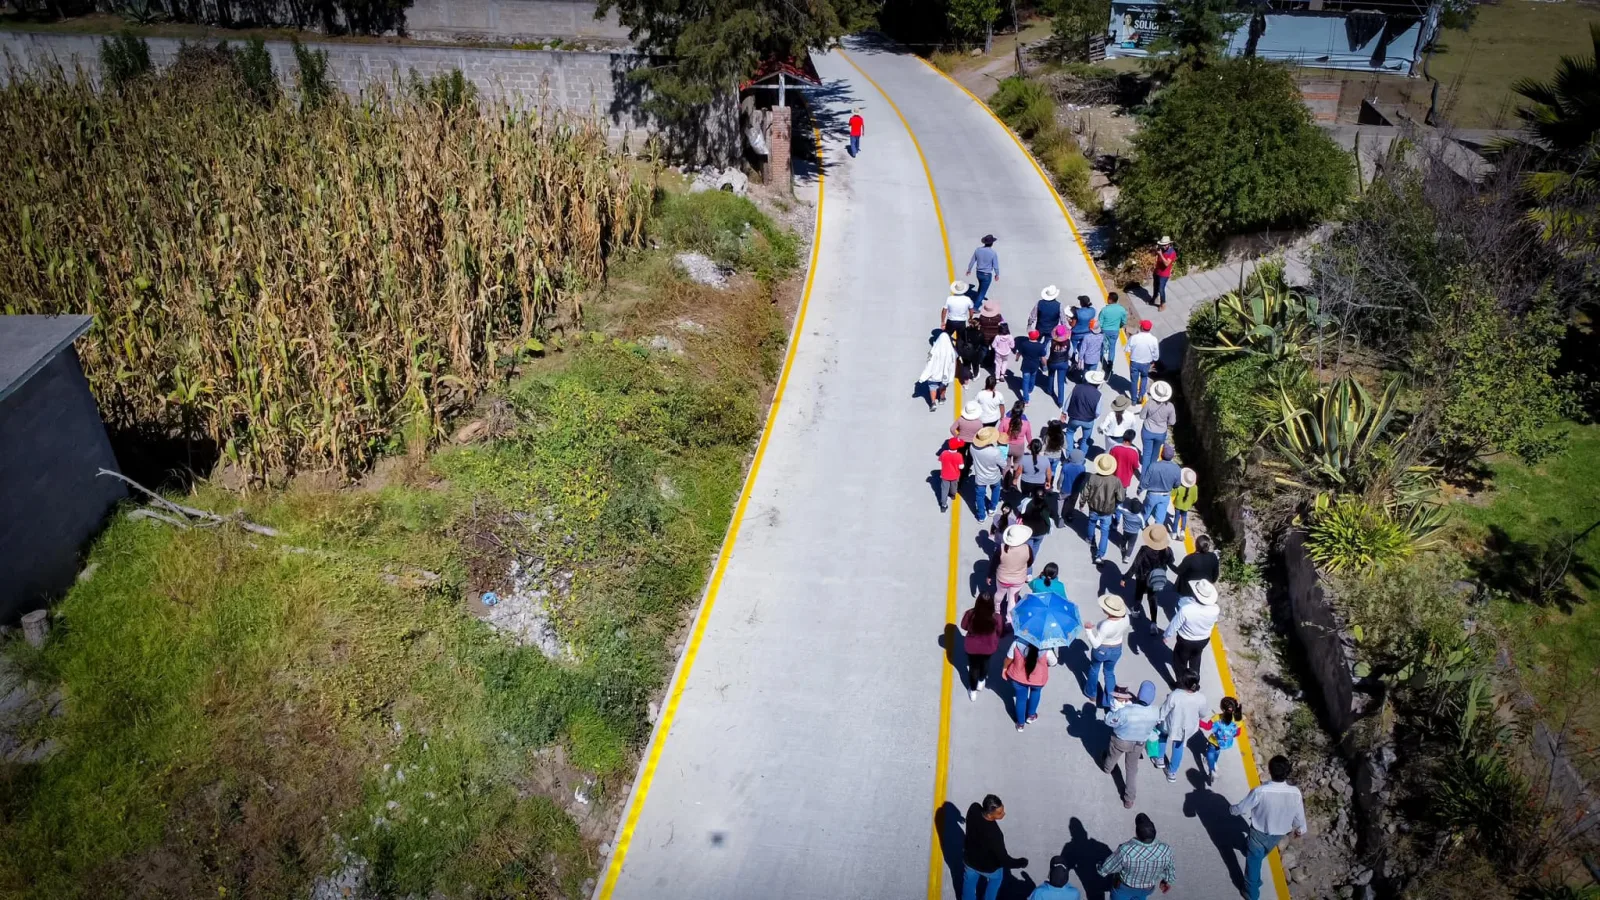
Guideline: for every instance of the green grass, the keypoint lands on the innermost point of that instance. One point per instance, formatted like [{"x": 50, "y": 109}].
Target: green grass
[
  {"x": 1509, "y": 41},
  {"x": 729, "y": 229},
  {"x": 238, "y": 711}
]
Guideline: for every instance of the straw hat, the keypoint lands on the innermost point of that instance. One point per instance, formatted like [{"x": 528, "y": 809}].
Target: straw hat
[
  {"x": 1113, "y": 605},
  {"x": 1161, "y": 391},
  {"x": 1017, "y": 535},
  {"x": 1205, "y": 593},
  {"x": 989, "y": 307},
  {"x": 958, "y": 287},
  {"x": 1165, "y": 240},
  {"x": 1095, "y": 376},
  {"x": 971, "y": 410},
  {"x": 1189, "y": 478},
  {"x": 986, "y": 437},
  {"x": 1156, "y": 537},
  {"x": 1105, "y": 463},
  {"x": 1050, "y": 293},
  {"x": 1120, "y": 402}
]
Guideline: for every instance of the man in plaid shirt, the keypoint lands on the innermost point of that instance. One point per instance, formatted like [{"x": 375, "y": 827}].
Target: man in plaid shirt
[{"x": 1141, "y": 865}]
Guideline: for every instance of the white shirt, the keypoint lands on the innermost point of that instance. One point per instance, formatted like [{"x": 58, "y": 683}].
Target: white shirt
[
  {"x": 988, "y": 463},
  {"x": 1273, "y": 808},
  {"x": 957, "y": 307},
  {"x": 1193, "y": 621},
  {"x": 1109, "y": 633},
  {"x": 991, "y": 406},
  {"x": 1112, "y": 430},
  {"x": 1144, "y": 348},
  {"x": 1180, "y": 714}
]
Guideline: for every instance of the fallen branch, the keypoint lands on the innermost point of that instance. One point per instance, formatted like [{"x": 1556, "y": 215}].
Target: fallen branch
[
  {"x": 190, "y": 511},
  {"x": 136, "y": 514}
]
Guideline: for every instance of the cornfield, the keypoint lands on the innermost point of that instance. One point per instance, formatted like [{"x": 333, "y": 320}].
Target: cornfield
[{"x": 299, "y": 286}]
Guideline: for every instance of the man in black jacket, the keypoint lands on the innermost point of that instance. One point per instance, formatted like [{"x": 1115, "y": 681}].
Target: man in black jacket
[{"x": 984, "y": 852}]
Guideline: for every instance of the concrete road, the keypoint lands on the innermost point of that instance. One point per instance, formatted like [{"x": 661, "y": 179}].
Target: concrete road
[{"x": 803, "y": 758}]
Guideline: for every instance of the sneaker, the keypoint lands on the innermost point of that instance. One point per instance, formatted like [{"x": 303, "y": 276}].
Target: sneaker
[
  {"x": 1172, "y": 778},
  {"x": 1127, "y": 804},
  {"x": 1032, "y": 719},
  {"x": 972, "y": 695},
  {"x": 1020, "y": 727},
  {"x": 983, "y": 684},
  {"x": 943, "y": 508}
]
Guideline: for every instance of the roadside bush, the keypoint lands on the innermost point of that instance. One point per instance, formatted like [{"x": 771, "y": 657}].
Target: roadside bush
[
  {"x": 311, "y": 75},
  {"x": 124, "y": 59},
  {"x": 1227, "y": 150},
  {"x": 450, "y": 91},
  {"x": 1394, "y": 608},
  {"x": 1350, "y": 535},
  {"x": 1024, "y": 105},
  {"x": 1269, "y": 319},
  {"x": 727, "y": 228},
  {"x": 254, "y": 65},
  {"x": 1068, "y": 167}
]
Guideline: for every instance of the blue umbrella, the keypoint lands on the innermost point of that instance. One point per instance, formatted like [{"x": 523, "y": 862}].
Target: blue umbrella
[{"x": 1046, "y": 621}]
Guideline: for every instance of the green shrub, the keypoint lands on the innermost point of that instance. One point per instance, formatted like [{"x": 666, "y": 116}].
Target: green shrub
[
  {"x": 1269, "y": 319},
  {"x": 450, "y": 91},
  {"x": 124, "y": 59},
  {"x": 1070, "y": 170},
  {"x": 1024, "y": 105},
  {"x": 730, "y": 229},
  {"x": 1348, "y": 535},
  {"x": 1409, "y": 602},
  {"x": 1226, "y": 150},
  {"x": 254, "y": 65},
  {"x": 311, "y": 75}
]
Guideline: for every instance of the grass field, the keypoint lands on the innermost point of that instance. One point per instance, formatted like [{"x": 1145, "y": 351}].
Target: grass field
[
  {"x": 1509, "y": 41},
  {"x": 246, "y": 714}
]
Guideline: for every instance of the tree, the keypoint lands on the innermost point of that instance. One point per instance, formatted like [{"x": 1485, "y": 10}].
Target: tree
[
  {"x": 1074, "y": 22},
  {"x": 1562, "y": 121},
  {"x": 701, "y": 48},
  {"x": 1226, "y": 150},
  {"x": 970, "y": 20},
  {"x": 1194, "y": 33}
]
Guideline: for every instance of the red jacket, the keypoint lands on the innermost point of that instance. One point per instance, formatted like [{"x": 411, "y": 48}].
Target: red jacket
[
  {"x": 1164, "y": 261},
  {"x": 855, "y": 126}
]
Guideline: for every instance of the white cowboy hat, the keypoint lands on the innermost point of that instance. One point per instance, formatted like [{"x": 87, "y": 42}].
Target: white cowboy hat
[
  {"x": 1113, "y": 605},
  {"x": 1017, "y": 535},
  {"x": 1161, "y": 391},
  {"x": 971, "y": 410},
  {"x": 1205, "y": 593},
  {"x": 1095, "y": 376},
  {"x": 1188, "y": 477},
  {"x": 1165, "y": 240},
  {"x": 958, "y": 287},
  {"x": 1050, "y": 293}
]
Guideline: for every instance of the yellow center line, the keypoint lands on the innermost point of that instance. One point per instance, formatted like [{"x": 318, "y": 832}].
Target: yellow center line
[
  {"x": 941, "y": 766},
  {"x": 658, "y": 739}
]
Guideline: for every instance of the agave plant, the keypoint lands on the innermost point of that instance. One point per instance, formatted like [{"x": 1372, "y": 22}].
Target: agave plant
[
  {"x": 1339, "y": 441},
  {"x": 1269, "y": 319}
]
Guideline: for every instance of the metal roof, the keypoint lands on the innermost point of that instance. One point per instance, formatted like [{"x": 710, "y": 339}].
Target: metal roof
[{"x": 28, "y": 343}]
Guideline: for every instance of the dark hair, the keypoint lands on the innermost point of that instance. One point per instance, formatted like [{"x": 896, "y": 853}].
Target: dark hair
[
  {"x": 983, "y": 619},
  {"x": 1050, "y": 572},
  {"x": 1202, "y": 544},
  {"x": 1034, "y": 446},
  {"x": 1111, "y": 297},
  {"x": 1278, "y": 767},
  {"x": 989, "y": 383},
  {"x": 1231, "y": 710},
  {"x": 1005, "y": 328},
  {"x": 1144, "y": 829},
  {"x": 1055, "y": 436},
  {"x": 1014, "y": 419},
  {"x": 1031, "y": 659},
  {"x": 1128, "y": 435},
  {"x": 1190, "y": 682},
  {"x": 991, "y": 803},
  {"x": 1084, "y": 301}
]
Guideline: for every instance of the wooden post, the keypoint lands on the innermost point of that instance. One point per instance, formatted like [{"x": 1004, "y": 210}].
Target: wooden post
[{"x": 35, "y": 627}]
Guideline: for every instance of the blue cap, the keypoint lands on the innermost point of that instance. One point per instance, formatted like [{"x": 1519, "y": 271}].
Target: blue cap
[{"x": 1147, "y": 693}]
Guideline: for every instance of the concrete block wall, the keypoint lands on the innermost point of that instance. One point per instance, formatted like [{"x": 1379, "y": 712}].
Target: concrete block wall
[
  {"x": 588, "y": 84},
  {"x": 512, "y": 20}
]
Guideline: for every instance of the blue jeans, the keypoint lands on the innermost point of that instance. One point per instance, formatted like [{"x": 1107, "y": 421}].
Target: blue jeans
[
  {"x": 855, "y": 144},
  {"x": 1028, "y": 696},
  {"x": 1139, "y": 376},
  {"x": 1155, "y": 506},
  {"x": 1028, "y": 379},
  {"x": 1178, "y": 522},
  {"x": 987, "y": 497},
  {"x": 991, "y": 888},
  {"x": 1102, "y": 658},
  {"x": 1058, "y": 384},
  {"x": 1034, "y": 543},
  {"x": 1100, "y": 524},
  {"x": 1086, "y": 441},
  {"x": 984, "y": 279},
  {"x": 1151, "y": 444},
  {"x": 1108, "y": 346},
  {"x": 1077, "y": 341},
  {"x": 1123, "y": 892},
  {"x": 1257, "y": 846},
  {"x": 1158, "y": 291},
  {"x": 1174, "y": 754},
  {"x": 1213, "y": 753}
]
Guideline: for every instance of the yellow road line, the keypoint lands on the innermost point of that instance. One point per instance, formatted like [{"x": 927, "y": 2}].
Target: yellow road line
[
  {"x": 1246, "y": 754},
  {"x": 658, "y": 740},
  {"x": 941, "y": 765}
]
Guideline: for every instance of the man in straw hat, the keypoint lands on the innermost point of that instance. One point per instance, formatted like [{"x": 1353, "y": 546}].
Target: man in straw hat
[
  {"x": 957, "y": 310},
  {"x": 1101, "y": 496},
  {"x": 1191, "y": 628},
  {"x": 988, "y": 457},
  {"x": 1143, "y": 351},
  {"x": 1159, "y": 480},
  {"x": 1105, "y": 642},
  {"x": 1046, "y": 314},
  {"x": 1166, "y": 258},
  {"x": 987, "y": 262},
  {"x": 1130, "y": 728},
  {"x": 1159, "y": 417},
  {"x": 1120, "y": 418}
]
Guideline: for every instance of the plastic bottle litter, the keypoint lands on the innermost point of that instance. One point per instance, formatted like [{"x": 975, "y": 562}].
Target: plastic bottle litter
[{"x": 490, "y": 598}]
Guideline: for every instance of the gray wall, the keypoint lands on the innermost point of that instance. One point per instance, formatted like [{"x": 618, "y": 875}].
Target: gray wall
[
  {"x": 512, "y": 20},
  {"x": 582, "y": 83},
  {"x": 51, "y": 503}
]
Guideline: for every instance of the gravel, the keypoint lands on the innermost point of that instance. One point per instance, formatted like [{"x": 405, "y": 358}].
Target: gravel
[
  {"x": 702, "y": 269},
  {"x": 523, "y": 613}
]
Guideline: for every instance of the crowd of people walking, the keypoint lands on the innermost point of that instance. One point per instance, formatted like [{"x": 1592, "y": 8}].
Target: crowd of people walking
[{"x": 1101, "y": 463}]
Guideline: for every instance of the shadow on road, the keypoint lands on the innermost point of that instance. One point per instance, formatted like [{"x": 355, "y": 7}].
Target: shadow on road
[
  {"x": 1227, "y": 831},
  {"x": 1083, "y": 854}
]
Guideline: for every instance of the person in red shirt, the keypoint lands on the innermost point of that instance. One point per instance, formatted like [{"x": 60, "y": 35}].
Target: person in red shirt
[
  {"x": 1127, "y": 457},
  {"x": 1166, "y": 257},
  {"x": 856, "y": 126},
  {"x": 951, "y": 462}
]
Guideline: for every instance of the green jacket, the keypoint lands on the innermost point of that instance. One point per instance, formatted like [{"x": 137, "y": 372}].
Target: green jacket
[{"x": 1103, "y": 494}]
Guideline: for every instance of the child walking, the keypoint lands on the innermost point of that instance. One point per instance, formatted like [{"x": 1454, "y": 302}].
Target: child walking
[
  {"x": 1130, "y": 521},
  {"x": 982, "y": 639},
  {"x": 951, "y": 462},
  {"x": 1004, "y": 346},
  {"x": 1221, "y": 731}
]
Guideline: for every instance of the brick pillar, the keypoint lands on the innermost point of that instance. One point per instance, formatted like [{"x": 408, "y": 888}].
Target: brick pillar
[{"x": 778, "y": 149}]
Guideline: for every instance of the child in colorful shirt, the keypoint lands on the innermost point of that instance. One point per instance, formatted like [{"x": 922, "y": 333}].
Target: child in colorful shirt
[
  {"x": 1221, "y": 731},
  {"x": 1130, "y": 520}
]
